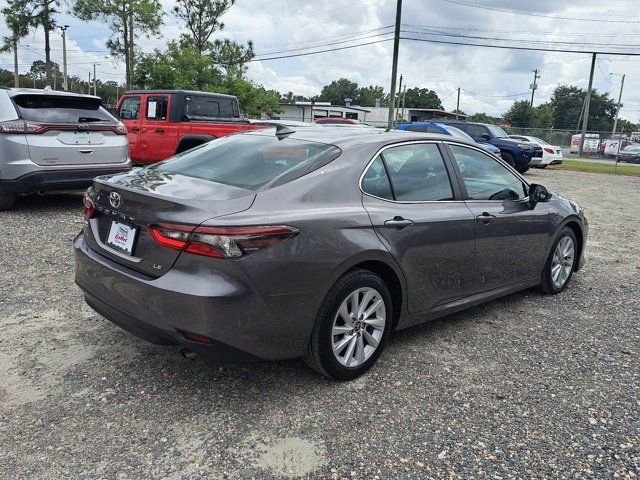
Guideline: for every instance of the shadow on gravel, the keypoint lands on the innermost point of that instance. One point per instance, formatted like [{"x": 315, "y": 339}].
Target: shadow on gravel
[{"x": 58, "y": 201}]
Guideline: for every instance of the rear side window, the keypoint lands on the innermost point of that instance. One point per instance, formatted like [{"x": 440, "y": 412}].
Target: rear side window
[
  {"x": 251, "y": 161},
  {"x": 130, "y": 108},
  {"x": 202, "y": 107},
  {"x": 61, "y": 109},
  {"x": 157, "y": 108},
  {"x": 415, "y": 172}
]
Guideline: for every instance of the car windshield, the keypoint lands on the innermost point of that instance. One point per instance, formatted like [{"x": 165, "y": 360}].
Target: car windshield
[
  {"x": 496, "y": 131},
  {"x": 455, "y": 132},
  {"x": 251, "y": 160},
  {"x": 61, "y": 109}
]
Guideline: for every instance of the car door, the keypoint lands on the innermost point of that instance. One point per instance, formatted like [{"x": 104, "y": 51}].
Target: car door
[
  {"x": 155, "y": 128},
  {"x": 511, "y": 237},
  {"x": 417, "y": 212},
  {"x": 129, "y": 115}
]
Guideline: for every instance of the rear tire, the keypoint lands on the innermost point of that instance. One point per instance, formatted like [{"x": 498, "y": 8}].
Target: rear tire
[
  {"x": 352, "y": 326},
  {"x": 7, "y": 200},
  {"x": 561, "y": 263},
  {"x": 508, "y": 158}
]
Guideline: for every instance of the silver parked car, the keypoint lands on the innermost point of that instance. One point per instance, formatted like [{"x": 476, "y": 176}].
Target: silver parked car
[
  {"x": 56, "y": 141},
  {"x": 318, "y": 243}
]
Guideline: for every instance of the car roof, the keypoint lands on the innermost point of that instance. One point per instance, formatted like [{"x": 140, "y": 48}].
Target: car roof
[
  {"x": 185, "y": 92},
  {"x": 13, "y": 92},
  {"x": 345, "y": 136}
]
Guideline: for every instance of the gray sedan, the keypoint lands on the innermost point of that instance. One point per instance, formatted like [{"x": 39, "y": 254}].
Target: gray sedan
[{"x": 319, "y": 243}]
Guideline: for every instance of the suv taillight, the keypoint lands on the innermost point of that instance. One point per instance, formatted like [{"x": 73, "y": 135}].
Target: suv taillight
[
  {"x": 89, "y": 207},
  {"x": 219, "y": 242},
  {"x": 20, "y": 126}
]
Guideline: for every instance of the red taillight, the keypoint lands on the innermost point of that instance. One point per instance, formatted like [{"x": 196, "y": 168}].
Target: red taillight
[
  {"x": 219, "y": 242},
  {"x": 548, "y": 150},
  {"x": 21, "y": 127},
  {"x": 89, "y": 207},
  {"x": 120, "y": 129}
]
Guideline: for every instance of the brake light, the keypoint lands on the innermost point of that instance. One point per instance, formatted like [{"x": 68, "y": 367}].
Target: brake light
[
  {"x": 548, "y": 150},
  {"x": 21, "y": 126},
  {"x": 89, "y": 207},
  {"x": 219, "y": 242}
]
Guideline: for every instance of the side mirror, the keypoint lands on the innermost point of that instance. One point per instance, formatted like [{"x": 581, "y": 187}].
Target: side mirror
[
  {"x": 538, "y": 193},
  {"x": 485, "y": 136}
]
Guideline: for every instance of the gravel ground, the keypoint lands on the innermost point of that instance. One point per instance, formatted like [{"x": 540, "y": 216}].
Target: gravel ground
[{"x": 529, "y": 386}]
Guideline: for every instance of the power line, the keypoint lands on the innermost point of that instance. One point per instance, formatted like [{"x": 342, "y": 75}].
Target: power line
[
  {"x": 533, "y": 14},
  {"x": 494, "y": 96},
  {"x": 587, "y": 33},
  {"x": 327, "y": 44},
  {"x": 320, "y": 51}
]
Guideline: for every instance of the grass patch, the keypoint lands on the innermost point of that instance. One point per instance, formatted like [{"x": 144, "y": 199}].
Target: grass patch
[{"x": 581, "y": 166}]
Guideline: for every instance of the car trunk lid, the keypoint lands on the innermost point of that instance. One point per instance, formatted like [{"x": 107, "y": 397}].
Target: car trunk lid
[{"x": 142, "y": 198}]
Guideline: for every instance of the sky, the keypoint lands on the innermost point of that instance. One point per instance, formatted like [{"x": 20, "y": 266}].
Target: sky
[{"x": 490, "y": 79}]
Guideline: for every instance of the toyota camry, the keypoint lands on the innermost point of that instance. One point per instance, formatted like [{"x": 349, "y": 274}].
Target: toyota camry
[{"x": 317, "y": 243}]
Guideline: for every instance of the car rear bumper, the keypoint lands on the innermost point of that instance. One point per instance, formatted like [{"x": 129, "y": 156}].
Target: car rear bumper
[
  {"x": 221, "y": 305},
  {"x": 59, "y": 179}
]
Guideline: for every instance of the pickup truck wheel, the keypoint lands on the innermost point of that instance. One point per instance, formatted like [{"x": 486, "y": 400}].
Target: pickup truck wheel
[
  {"x": 507, "y": 157},
  {"x": 7, "y": 200},
  {"x": 525, "y": 169}
]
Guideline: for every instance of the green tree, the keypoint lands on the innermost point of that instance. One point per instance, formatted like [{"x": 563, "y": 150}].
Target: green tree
[
  {"x": 482, "y": 118},
  {"x": 232, "y": 57},
  {"x": 367, "y": 96},
  {"x": 543, "y": 116},
  {"x": 422, "y": 98},
  {"x": 125, "y": 18},
  {"x": 338, "y": 90},
  {"x": 202, "y": 19},
  {"x": 566, "y": 103},
  {"x": 520, "y": 114},
  {"x": 18, "y": 20}
]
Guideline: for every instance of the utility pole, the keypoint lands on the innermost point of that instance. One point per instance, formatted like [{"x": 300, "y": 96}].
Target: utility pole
[
  {"x": 399, "y": 98},
  {"x": 615, "y": 122},
  {"x": 95, "y": 81},
  {"x": 534, "y": 85},
  {"x": 587, "y": 101},
  {"x": 394, "y": 65},
  {"x": 458, "y": 104},
  {"x": 404, "y": 96},
  {"x": 65, "y": 84},
  {"x": 89, "y": 82},
  {"x": 131, "y": 49}
]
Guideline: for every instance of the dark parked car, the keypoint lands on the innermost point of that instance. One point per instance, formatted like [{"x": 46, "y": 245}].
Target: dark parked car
[
  {"x": 442, "y": 129},
  {"x": 518, "y": 154},
  {"x": 630, "y": 153},
  {"x": 278, "y": 244}
]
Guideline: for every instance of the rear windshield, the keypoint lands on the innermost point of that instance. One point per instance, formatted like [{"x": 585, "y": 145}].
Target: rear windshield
[
  {"x": 250, "y": 161},
  {"x": 61, "y": 109},
  {"x": 202, "y": 107}
]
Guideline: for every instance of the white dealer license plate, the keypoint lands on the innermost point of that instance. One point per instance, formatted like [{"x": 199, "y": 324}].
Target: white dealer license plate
[{"x": 122, "y": 237}]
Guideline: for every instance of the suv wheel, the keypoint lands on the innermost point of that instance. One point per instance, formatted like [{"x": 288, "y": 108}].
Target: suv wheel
[
  {"x": 352, "y": 326},
  {"x": 507, "y": 157},
  {"x": 561, "y": 263},
  {"x": 7, "y": 200}
]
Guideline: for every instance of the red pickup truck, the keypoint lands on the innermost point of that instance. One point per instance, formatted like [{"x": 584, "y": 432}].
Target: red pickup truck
[{"x": 161, "y": 123}]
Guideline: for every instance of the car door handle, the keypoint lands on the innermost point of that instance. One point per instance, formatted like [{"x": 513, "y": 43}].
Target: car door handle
[
  {"x": 159, "y": 130},
  {"x": 398, "y": 222},
  {"x": 134, "y": 129},
  {"x": 486, "y": 217}
]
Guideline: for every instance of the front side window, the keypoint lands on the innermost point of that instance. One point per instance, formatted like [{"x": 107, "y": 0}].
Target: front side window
[
  {"x": 485, "y": 177},
  {"x": 130, "y": 108},
  {"x": 157, "y": 108},
  {"x": 475, "y": 131},
  {"x": 416, "y": 173},
  {"x": 497, "y": 131}
]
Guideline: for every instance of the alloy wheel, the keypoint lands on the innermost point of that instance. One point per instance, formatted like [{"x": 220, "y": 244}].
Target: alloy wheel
[
  {"x": 358, "y": 327},
  {"x": 562, "y": 263}
]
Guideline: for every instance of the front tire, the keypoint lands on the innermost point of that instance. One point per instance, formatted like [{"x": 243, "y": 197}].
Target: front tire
[
  {"x": 7, "y": 200},
  {"x": 561, "y": 263},
  {"x": 352, "y": 326},
  {"x": 508, "y": 158}
]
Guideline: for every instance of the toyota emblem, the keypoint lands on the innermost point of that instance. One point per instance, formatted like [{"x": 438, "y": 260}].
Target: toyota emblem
[{"x": 115, "y": 199}]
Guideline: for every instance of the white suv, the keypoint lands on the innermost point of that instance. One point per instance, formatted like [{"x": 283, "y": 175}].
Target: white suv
[{"x": 56, "y": 141}]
